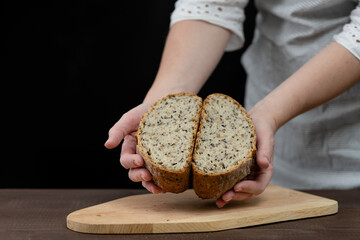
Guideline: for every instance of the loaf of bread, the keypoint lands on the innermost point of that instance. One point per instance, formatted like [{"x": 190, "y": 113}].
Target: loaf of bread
[
  {"x": 166, "y": 137},
  {"x": 225, "y": 146},
  {"x": 214, "y": 138}
]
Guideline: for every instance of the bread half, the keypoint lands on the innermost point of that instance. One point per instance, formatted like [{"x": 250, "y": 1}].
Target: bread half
[
  {"x": 225, "y": 146},
  {"x": 166, "y": 138}
]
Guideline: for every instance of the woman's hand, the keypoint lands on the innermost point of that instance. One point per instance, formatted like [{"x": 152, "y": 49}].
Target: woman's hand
[
  {"x": 328, "y": 74},
  {"x": 265, "y": 131},
  {"x": 125, "y": 129}
]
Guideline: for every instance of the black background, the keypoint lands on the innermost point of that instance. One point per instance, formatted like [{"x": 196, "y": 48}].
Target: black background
[{"x": 70, "y": 71}]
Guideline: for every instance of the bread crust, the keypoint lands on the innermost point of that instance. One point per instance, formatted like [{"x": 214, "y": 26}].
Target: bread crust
[
  {"x": 169, "y": 181},
  {"x": 210, "y": 185}
]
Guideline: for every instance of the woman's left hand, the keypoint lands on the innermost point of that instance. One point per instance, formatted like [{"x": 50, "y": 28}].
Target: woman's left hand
[{"x": 244, "y": 190}]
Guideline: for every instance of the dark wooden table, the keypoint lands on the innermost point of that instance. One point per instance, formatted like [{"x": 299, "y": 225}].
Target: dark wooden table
[{"x": 41, "y": 214}]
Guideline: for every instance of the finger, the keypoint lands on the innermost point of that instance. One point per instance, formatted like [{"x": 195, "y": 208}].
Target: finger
[
  {"x": 265, "y": 149},
  {"x": 249, "y": 186},
  {"x": 129, "y": 158},
  {"x": 228, "y": 195},
  {"x": 128, "y": 123},
  {"x": 242, "y": 196},
  {"x": 116, "y": 134},
  {"x": 220, "y": 203},
  {"x": 263, "y": 177},
  {"x": 151, "y": 187},
  {"x": 254, "y": 187},
  {"x": 139, "y": 174},
  {"x": 225, "y": 198},
  {"x": 231, "y": 195}
]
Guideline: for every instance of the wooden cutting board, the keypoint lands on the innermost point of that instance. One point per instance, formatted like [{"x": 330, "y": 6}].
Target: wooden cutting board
[{"x": 185, "y": 212}]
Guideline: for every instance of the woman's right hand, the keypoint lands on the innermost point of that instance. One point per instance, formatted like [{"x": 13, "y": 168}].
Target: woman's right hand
[{"x": 125, "y": 129}]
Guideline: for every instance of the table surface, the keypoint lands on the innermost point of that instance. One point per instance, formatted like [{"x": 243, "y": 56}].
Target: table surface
[{"x": 41, "y": 214}]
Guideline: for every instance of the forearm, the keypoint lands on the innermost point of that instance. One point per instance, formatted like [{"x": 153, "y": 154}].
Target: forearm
[
  {"x": 192, "y": 51},
  {"x": 325, "y": 76}
]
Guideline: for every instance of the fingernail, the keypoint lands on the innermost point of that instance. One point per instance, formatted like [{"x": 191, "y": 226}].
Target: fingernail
[{"x": 106, "y": 144}]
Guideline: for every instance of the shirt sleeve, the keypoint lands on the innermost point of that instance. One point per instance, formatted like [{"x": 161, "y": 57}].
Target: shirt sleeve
[
  {"x": 350, "y": 36},
  {"x": 228, "y": 14}
]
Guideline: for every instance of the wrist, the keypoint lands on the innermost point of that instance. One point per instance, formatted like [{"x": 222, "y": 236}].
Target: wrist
[{"x": 261, "y": 113}]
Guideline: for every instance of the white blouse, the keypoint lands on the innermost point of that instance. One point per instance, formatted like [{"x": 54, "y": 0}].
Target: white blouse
[{"x": 320, "y": 148}]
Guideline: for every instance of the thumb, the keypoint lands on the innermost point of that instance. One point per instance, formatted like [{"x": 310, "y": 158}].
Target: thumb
[
  {"x": 265, "y": 151},
  {"x": 128, "y": 123},
  {"x": 116, "y": 135}
]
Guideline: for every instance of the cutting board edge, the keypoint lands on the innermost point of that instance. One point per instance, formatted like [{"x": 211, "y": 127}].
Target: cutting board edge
[
  {"x": 108, "y": 228},
  {"x": 327, "y": 209}
]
